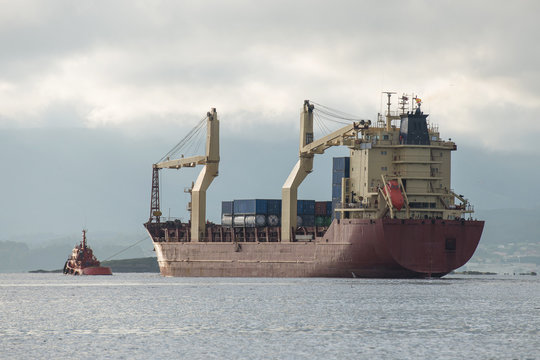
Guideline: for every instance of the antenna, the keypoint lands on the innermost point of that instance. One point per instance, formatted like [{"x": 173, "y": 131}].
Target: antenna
[
  {"x": 388, "y": 114},
  {"x": 403, "y": 102},
  {"x": 389, "y": 94},
  {"x": 84, "y": 238}
]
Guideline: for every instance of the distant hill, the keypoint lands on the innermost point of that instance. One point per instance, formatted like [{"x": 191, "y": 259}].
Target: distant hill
[
  {"x": 147, "y": 264},
  {"x": 42, "y": 252},
  {"x": 505, "y": 226},
  {"x": 510, "y": 242}
]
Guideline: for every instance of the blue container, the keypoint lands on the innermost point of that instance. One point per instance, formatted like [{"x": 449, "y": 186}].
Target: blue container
[
  {"x": 342, "y": 164},
  {"x": 336, "y": 191},
  {"x": 308, "y": 220},
  {"x": 305, "y": 207},
  {"x": 328, "y": 208},
  {"x": 227, "y": 207},
  {"x": 337, "y": 176},
  {"x": 273, "y": 207},
  {"x": 250, "y": 207}
]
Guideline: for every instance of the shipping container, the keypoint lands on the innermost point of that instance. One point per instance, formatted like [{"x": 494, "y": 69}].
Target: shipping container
[
  {"x": 273, "y": 220},
  {"x": 320, "y": 220},
  {"x": 336, "y": 191},
  {"x": 305, "y": 207},
  {"x": 329, "y": 208},
  {"x": 342, "y": 164},
  {"x": 239, "y": 221},
  {"x": 308, "y": 220},
  {"x": 273, "y": 206},
  {"x": 227, "y": 207},
  {"x": 226, "y": 220},
  {"x": 255, "y": 220},
  {"x": 320, "y": 208},
  {"x": 250, "y": 207},
  {"x": 337, "y": 176},
  {"x": 323, "y": 220}
]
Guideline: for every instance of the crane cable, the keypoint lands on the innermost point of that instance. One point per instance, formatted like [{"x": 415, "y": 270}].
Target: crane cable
[
  {"x": 325, "y": 130},
  {"x": 187, "y": 142},
  {"x": 129, "y": 247},
  {"x": 335, "y": 113},
  {"x": 330, "y": 114}
]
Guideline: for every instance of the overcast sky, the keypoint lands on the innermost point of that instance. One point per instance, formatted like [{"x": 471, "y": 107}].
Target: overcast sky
[{"x": 145, "y": 71}]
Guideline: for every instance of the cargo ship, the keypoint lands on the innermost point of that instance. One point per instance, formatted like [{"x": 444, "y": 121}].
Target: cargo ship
[
  {"x": 393, "y": 213},
  {"x": 83, "y": 262}
]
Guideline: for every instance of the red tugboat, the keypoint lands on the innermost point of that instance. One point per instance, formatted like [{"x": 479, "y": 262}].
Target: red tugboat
[{"x": 83, "y": 262}]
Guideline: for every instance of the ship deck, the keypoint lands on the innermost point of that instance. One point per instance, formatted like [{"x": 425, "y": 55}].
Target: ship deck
[{"x": 181, "y": 232}]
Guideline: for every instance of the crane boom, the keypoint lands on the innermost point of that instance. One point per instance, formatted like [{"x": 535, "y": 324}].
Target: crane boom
[
  {"x": 308, "y": 148},
  {"x": 210, "y": 162},
  {"x": 191, "y": 161},
  {"x": 343, "y": 136}
]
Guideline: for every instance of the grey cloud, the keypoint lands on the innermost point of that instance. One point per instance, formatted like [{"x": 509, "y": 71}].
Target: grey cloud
[
  {"x": 219, "y": 52},
  {"x": 143, "y": 73}
]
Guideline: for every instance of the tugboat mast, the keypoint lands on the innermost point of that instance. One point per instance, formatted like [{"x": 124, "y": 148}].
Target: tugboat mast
[{"x": 84, "y": 239}]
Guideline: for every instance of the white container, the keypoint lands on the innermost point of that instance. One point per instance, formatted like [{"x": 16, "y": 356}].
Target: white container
[
  {"x": 226, "y": 220},
  {"x": 239, "y": 221},
  {"x": 255, "y": 220}
]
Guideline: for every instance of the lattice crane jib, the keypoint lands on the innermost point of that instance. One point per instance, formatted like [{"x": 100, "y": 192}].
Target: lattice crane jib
[
  {"x": 210, "y": 162},
  {"x": 155, "y": 211}
]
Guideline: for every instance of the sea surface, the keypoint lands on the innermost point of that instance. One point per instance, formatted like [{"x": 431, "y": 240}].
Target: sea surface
[{"x": 146, "y": 316}]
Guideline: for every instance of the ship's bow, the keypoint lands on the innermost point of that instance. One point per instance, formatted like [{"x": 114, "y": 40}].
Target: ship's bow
[{"x": 432, "y": 247}]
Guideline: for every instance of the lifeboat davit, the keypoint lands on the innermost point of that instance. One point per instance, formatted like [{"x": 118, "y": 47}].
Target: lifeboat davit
[{"x": 393, "y": 191}]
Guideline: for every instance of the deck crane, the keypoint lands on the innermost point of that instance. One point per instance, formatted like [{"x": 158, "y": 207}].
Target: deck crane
[
  {"x": 210, "y": 162},
  {"x": 347, "y": 136}
]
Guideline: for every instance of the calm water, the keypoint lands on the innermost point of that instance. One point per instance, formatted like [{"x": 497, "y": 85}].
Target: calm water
[{"x": 140, "y": 316}]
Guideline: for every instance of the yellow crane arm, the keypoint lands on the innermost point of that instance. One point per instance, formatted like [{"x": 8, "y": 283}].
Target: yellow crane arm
[
  {"x": 210, "y": 170},
  {"x": 343, "y": 136},
  {"x": 347, "y": 135},
  {"x": 191, "y": 161}
]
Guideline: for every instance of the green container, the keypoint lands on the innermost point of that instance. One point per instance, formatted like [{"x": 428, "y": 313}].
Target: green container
[
  {"x": 323, "y": 220},
  {"x": 320, "y": 220},
  {"x": 327, "y": 221}
]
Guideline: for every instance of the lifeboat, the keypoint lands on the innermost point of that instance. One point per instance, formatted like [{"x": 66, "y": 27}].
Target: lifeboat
[{"x": 393, "y": 191}]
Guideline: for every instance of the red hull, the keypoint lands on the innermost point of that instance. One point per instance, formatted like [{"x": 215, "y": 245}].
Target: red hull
[
  {"x": 93, "y": 270},
  {"x": 384, "y": 248},
  {"x": 102, "y": 270},
  {"x": 83, "y": 262}
]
